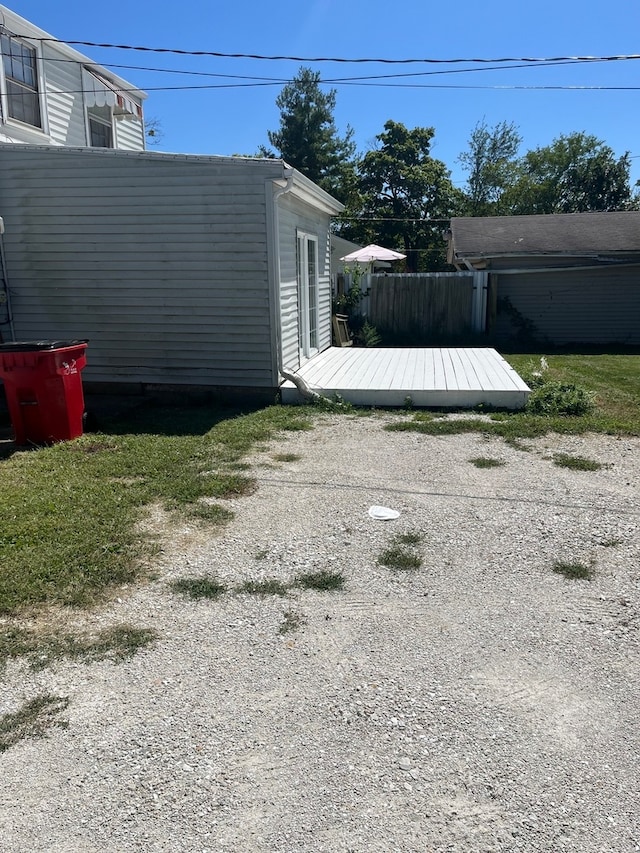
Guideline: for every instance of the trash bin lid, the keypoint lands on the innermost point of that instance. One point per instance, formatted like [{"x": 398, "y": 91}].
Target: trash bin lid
[{"x": 30, "y": 346}]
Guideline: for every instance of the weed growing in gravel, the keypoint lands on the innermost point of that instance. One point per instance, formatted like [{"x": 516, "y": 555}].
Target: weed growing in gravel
[
  {"x": 410, "y": 538},
  {"x": 292, "y": 621},
  {"x": 200, "y": 587},
  {"x": 574, "y": 570},
  {"x": 33, "y": 719},
  {"x": 213, "y": 513},
  {"x": 230, "y": 485},
  {"x": 576, "y": 463},
  {"x": 269, "y": 586},
  {"x": 322, "y": 581},
  {"x": 262, "y": 554},
  {"x": 287, "y": 457},
  {"x": 41, "y": 650},
  {"x": 399, "y": 559},
  {"x": 610, "y": 542},
  {"x": 486, "y": 462}
]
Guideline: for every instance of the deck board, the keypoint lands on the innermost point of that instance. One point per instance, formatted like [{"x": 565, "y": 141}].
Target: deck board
[{"x": 435, "y": 377}]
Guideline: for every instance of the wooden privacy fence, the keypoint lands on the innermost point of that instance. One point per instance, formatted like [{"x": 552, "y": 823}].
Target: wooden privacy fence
[{"x": 426, "y": 306}]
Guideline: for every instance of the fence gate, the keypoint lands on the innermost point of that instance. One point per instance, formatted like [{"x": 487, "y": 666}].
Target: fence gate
[{"x": 422, "y": 307}]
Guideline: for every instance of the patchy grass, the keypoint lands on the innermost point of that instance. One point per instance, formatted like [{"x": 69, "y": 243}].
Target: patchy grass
[
  {"x": 291, "y": 622},
  {"x": 287, "y": 457},
  {"x": 574, "y": 570},
  {"x": 610, "y": 542},
  {"x": 410, "y": 538},
  {"x": 399, "y": 559},
  {"x": 486, "y": 462},
  {"x": 268, "y": 586},
  {"x": 32, "y": 720},
  {"x": 322, "y": 581},
  {"x": 70, "y": 514},
  {"x": 575, "y": 463},
  {"x": 609, "y": 381},
  {"x": 42, "y": 649},
  {"x": 204, "y": 586}
]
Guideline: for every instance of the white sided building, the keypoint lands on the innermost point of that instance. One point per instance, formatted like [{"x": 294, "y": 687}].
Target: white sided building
[{"x": 50, "y": 94}]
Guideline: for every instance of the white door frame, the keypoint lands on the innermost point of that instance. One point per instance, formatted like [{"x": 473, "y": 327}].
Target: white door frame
[{"x": 308, "y": 304}]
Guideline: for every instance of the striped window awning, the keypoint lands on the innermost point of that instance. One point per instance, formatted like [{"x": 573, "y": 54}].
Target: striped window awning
[{"x": 100, "y": 92}]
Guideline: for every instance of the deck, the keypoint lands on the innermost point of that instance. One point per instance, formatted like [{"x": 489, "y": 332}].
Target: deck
[{"x": 437, "y": 377}]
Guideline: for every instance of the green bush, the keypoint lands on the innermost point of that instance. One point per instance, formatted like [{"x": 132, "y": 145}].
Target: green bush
[{"x": 556, "y": 398}]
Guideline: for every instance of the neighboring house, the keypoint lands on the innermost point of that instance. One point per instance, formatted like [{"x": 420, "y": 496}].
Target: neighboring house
[
  {"x": 179, "y": 269},
  {"x": 339, "y": 248},
  {"x": 557, "y": 278},
  {"x": 51, "y": 94}
]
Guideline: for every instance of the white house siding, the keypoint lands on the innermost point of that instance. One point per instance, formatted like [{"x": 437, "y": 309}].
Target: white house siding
[
  {"x": 295, "y": 215},
  {"x": 129, "y": 134},
  {"x": 64, "y": 101},
  {"x": 574, "y": 306},
  {"x": 159, "y": 260}
]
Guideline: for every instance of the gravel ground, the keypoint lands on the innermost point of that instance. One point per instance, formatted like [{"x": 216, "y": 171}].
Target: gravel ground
[{"x": 480, "y": 703}]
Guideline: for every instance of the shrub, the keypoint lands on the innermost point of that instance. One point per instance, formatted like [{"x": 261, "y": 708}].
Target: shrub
[{"x": 556, "y": 398}]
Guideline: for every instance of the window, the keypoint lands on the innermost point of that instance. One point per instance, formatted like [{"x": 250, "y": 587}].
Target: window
[
  {"x": 307, "y": 263},
  {"x": 100, "y": 127},
  {"x": 21, "y": 75}
]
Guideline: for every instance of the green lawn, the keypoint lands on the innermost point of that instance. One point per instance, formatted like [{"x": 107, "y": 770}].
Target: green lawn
[
  {"x": 69, "y": 514},
  {"x": 613, "y": 381}
]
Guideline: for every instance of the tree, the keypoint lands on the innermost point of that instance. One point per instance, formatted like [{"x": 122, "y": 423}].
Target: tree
[
  {"x": 308, "y": 138},
  {"x": 491, "y": 163},
  {"x": 153, "y": 131},
  {"x": 407, "y": 195},
  {"x": 577, "y": 172}
]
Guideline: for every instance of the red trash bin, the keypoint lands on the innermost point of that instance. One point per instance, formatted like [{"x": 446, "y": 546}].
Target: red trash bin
[{"x": 43, "y": 385}]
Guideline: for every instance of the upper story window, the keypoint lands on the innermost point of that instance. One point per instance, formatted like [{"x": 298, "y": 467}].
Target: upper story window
[
  {"x": 21, "y": 75},
  {"x": 100, "y": 127}
]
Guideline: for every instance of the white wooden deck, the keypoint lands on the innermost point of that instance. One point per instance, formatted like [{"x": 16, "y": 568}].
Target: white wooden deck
[{"x": 447, "y": 377}]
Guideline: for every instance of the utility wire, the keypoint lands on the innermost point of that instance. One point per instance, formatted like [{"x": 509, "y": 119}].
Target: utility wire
[
  {"x": 330, "y": 79},
  {"x": 386, "y": 61},
  {"x": 205, "y": 86}
]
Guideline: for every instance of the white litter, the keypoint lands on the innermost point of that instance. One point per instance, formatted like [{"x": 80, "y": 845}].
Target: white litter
[{"x": 383, "y": 513}]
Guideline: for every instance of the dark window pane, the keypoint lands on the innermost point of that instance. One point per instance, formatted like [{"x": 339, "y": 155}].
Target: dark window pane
[
  {"x": 101, "y": 136},
  {"x": 23, "y": 104},
  {"x": 21, "y": 73}
]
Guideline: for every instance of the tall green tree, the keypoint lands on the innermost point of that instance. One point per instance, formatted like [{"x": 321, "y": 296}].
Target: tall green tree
[
  {"x": 406, "y": 197},
  {"x": 308, "y": 138},
  {"x": 491, "y": 161},
  {"x": 577, "y": 172}
]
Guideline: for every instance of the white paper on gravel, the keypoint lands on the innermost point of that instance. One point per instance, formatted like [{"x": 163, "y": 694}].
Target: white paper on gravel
[{"x": 383, "y": 513}]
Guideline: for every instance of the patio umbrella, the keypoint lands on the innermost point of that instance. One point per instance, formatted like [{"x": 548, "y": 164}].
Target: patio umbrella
[{"x": 373, "y": 253}]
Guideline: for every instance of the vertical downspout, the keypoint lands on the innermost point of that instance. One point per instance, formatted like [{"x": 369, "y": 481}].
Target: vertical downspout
[{"x": 275, "y": 189}]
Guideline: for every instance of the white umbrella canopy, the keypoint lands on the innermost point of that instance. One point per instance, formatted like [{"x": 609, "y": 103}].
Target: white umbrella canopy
[{"x": 373, "y": 253}]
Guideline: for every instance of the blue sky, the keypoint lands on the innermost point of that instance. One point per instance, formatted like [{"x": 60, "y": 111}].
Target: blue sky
[{"x": 235, "y": 120}]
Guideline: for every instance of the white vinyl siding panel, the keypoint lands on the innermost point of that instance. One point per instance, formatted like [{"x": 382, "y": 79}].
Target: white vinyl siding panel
[
  {"x": 296, "y": 216},
  {"x": 64, "y": 101},
  {"x": 160, "y": 260},
  {"x": 129, "y": 134},
  {"x": 575, "y": 306}
]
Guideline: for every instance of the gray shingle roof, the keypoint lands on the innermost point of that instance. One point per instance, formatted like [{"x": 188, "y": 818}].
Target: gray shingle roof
[{"x": 553, "y": 234}]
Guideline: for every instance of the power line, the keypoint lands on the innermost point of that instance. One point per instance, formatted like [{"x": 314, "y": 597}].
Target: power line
[
  {"x": 382, "y": 60},
  {"x": 327, "y": 80},
  {"x": 213, "y": 86}
]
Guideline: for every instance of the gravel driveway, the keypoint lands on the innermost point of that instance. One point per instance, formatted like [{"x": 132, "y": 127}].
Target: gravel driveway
[{"x": 480, "y": 703}]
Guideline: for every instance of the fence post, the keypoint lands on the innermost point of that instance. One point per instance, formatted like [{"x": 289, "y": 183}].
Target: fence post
[{"x": 479, "y": 301}]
